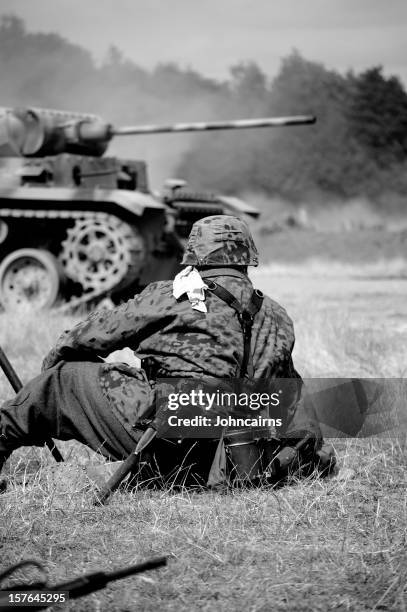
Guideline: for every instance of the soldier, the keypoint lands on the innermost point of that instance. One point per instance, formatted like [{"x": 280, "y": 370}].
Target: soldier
[{"x": 190, "y": 331}]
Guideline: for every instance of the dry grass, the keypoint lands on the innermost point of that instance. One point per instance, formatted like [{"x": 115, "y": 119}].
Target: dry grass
[
  {"x": 337, "y": 544},
  {"x": 315, "y": 267}
]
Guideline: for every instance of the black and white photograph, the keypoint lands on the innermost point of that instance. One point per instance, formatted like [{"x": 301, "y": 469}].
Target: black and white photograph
[{"x": 203, "y": 305}]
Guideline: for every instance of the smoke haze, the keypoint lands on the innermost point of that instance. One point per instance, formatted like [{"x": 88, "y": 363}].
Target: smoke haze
[{"x": 357, "y": 149}]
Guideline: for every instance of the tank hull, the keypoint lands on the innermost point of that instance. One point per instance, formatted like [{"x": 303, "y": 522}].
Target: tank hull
[{"x": 97, "y": 237}]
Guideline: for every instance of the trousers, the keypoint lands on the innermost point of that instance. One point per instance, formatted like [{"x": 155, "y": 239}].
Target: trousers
[{"x": 65, "y": 403}]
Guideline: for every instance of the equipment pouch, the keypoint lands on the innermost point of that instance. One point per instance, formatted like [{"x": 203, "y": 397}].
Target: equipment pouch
[{"x": 251, "y": 460}]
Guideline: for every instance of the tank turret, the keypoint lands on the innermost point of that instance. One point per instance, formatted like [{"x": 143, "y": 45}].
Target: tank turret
[{"x": 78, "y": 225}]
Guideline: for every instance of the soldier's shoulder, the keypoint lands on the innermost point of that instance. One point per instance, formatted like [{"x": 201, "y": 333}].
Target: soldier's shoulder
[
  {"x": 278, "y": 312},
  {"x": 157, "y": 289},
  {"x": 162, "y": 286},
  {"x": 152, "y": 296}
]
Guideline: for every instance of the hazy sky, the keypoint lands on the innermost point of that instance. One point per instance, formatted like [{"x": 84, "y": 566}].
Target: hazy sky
[{"x": 211, "y": 35}]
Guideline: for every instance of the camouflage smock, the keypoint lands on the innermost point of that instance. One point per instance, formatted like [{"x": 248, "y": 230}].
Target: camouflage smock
[{"x": 185, "y": 342}]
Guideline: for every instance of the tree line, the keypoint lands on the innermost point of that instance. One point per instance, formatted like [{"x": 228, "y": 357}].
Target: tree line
[{"x": 358, "y": 147}]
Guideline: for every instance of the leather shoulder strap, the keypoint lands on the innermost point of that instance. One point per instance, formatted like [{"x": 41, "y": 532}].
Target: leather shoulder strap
[{"x": 246, "y": 320}]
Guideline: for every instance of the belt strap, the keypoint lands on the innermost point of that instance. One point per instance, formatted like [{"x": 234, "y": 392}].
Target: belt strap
[{"x": 245, "y": 317}]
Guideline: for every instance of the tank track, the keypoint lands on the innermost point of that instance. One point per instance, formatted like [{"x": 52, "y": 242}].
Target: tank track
[
  {"x": 181, "y": 195},
  {"x": 83, "y": 216}
]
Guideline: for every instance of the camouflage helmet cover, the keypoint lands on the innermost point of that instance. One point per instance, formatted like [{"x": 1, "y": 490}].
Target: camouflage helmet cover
[{"x": 220, "y": 240}]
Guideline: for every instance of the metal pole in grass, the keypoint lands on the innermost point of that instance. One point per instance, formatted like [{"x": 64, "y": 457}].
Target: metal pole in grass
[{"x": 16, "y": 383}]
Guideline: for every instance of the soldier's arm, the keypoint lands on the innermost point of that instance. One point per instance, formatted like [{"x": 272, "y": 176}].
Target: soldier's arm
[
  {"x": 109, "y": 330},
  {"x": 301, "y": 421},
  {"x": 299, "y": 418}
]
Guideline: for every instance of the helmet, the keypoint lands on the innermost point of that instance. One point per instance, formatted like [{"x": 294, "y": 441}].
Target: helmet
[{"x": 220, "y": 240}]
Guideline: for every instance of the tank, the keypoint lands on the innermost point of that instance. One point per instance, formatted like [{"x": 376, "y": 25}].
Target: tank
[{"x": 76, "y": 224}]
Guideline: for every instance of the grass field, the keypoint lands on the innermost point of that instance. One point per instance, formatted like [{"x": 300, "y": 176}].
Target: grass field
[{"x": 337, "y": 544}]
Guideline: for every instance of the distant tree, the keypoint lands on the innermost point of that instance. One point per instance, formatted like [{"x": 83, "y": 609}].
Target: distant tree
[
  {"x": 40, "y": 69},
  {"x": 249, "y": 88},
  {"x": 378, "y": 116},
  {"x": 307, "y": 160},
  {"x": 12, "y": 32}
]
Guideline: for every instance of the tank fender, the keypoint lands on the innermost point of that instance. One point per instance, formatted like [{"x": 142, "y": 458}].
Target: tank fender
[
  {"x": 134, "y": 202},
  {"x": 236, "y": 205}
]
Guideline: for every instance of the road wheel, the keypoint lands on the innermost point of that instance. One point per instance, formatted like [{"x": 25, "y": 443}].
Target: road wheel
[
  {"x": 103, "y": 254},
  {"x": 29, "y": 280}
]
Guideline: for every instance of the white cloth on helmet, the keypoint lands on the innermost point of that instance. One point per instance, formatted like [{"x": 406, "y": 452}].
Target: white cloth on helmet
[{"x": 189, "y": 281}]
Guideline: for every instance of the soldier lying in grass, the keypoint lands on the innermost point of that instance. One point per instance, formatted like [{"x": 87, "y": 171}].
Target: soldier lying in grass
[{"x": 208, "y": 322}]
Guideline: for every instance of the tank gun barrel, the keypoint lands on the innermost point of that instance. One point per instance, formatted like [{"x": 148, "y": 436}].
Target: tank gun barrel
[
  {"x": 36, "y": 132},
  {"x": 203, "y": 126}
]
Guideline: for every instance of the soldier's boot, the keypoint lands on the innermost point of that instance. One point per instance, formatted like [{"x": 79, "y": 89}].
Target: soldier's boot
[
  {"x": 15, "y": 430},
  {"x": 6, "y": 448},
  {"x": 4, "y": 455},
  {"x": 21, "y": 424},
  {"x": 3, "y": 481},
  {"x": 7, "y": 444}
]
